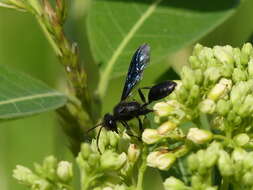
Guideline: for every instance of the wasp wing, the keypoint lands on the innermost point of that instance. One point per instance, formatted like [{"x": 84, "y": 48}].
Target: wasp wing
[{"x": 139, "y": 62}]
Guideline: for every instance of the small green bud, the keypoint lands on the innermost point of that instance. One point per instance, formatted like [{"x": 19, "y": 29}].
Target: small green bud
[
  {"x": 239, "y": 92},
  {"x": 85, "y": 150},
  {"x": 250, "y": 67},
  {"x": 24, "y": 175},
  {"x": 198, "y": 76},
  {"x": 220, "y": 89},
  {"x": 166, "y": 127},
  {"x": 207, "y": 106},
  {"x": 199, "y": 136},
  {"x": 113, "y": 138},
  {"x": 238, "y": 154},
  {"x": 239, "y": 75},
  {"x": 151, "y": 136},
  {"x": 174, "y": 183},
  {"x": 161, "y": 160},
  {"x": 112, "y": 161},
  {"x": 194, "y": 94},
  {"x": 188, "y": 79},
  {"x": 225, "y": 164},
  {"x": 49, "y": 167},
  {"x": 64, "y": 171},
  {"x": 247, "y": 161},
  {"x": 93, "y": 160},
  {"x": 197, "y": 182},
  {"x": 212, "y": 74},
  {"x": 193, "y": 162},
  {"x": 246, "y": 108},
  {"x": 224, "y": 54},
  {"x": 241, "y": 139},
  {"x": 247, "y": 49},
  {"x": 223, "y": 107},
  {"x": 197, "y": 49},
  {"x": 247, "y": 178},
  {"x": 133, "y": 153},
  {"x": 194, "y": 62},
  {"x": 161, "y": 109},
  {"x": 211, "y": 154}
]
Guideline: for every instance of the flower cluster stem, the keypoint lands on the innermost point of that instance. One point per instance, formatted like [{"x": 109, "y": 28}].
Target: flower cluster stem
[{"x": 142, "y": 169}]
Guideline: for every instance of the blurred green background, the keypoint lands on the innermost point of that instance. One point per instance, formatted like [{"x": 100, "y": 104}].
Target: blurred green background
[{"x": 23, "y": 46}]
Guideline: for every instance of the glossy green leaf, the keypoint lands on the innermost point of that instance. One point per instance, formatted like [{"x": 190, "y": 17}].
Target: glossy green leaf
[
  {"x": 117, "y": 27},
  {"x": 20, "y": 95}
]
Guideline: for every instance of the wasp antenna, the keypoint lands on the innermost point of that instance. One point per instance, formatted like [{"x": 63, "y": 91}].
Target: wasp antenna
[
  {"x": 89, "y": 130},
  {"x": 99, "y": 132}
]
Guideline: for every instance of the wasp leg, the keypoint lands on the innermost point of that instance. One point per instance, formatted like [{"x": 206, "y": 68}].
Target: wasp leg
[
  {"x": 140, "y": 124},
  {"x": 128, "y": 130},
  {"x": 142, "y": 95}
]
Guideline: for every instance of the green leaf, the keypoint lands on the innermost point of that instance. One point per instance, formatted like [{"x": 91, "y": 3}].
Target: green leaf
[
  {"x": 117, "y": 27},
  {"x": 21, "y": 95}
]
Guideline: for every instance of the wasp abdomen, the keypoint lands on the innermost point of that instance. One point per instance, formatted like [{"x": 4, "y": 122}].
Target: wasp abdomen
[{"x": 161, "y": 90}]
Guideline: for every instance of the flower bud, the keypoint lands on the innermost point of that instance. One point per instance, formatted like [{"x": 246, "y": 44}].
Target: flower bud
[
  {"x": 247, "y": 161},
  {"x": 161, "y": 160},
  {"x": 64, "y": 171},
  {"x": 113, "y": 138},
  {"x": 225, "y": 164},
  {"x": 197, "y": 49},
  {"x": 247, "y": 178},
  {"x": 24, "y": 175},
  {"x": 174, "y": 183},
  {"x": 112, "y": 161},
  {"x": 199, "y": 136},
  {"x": 188, "y": 79},
  {"x": 194, "y": 62},
  {"x": 161, "y": 109},
  {"x": 239, "y": 75},
  {"x": 49, "y": 167},
  {"x": 211, "y": 154},
  {"x": 223, "y": 107},
  {"x": 207, "y": 106},
  {"x": 220, "y": 89},
  {"x": 212, "y": 74},
  {"x": 241, "y": 139},
  {"x": 238, "y": 154},
  {"x": 250, "y": 67},
  {"x": 193, "y": 162},
  {"x": 239, "y": 92},
  {"x": 247, "y": 49},
  {"x": 198, "y": 76},
  {"x": 194, "y": 94},
  {"x": 246, "y": 108},
  {"x": 133, "y": 153},
  {"x": 166, "y": 127},
  {"x": 151, "y": 136},
  {"x": 224, "y": 54},
  {"x": 85, "y": 150}
]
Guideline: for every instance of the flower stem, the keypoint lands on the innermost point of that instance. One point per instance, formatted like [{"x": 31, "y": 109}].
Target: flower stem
[{"x": 142, "y": 169}]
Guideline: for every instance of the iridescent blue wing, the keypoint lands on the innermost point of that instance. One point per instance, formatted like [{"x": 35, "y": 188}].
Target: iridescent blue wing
[{"x": 138, "y": 64}]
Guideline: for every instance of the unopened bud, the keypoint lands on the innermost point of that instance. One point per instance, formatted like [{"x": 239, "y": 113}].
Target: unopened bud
[
  {"x": 212, "y": 74},
  {"x": 241, "y": 139},
  {"x": 49, "y": 166},
  {"x": 193, "y": 162},
  {"x": 188, "y": 79},
  {"x": 133, "y": 153},
  {"x": 112, "y": 161},
  {"x": 161, "y": 160},
  {"x": 250, "y": 67},
  {"x": 174, "y": 183},
  {"x": 161, "y": 109},
  {"x": 24, "y": 175},
  {"x": 85, "y": 150},
  {"x": 194, "y": 62},
  {"x": 239, "y": 75},
  {"x": 247, "y": 161},
  {"x": 64, "y": 171},
  {"x": 199, "y": 136},
  {"x": 224, "y": 54},
  {"x": 166, "y": 128},
  {"x": 220, "y": 89},
  {"x": 238, "y": 154},
  {"x": 151, "y": 136},
  {"x": 225, "y": 164},
  {"x": 247, "y": 178},
  {"x": 207, "y": 106},
  {"x": 223, "y": 107},
  {"x": 246, "y": 108}
]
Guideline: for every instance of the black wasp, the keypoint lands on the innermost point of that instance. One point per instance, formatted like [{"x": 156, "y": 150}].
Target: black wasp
[{"x": 127, "y": 110}]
